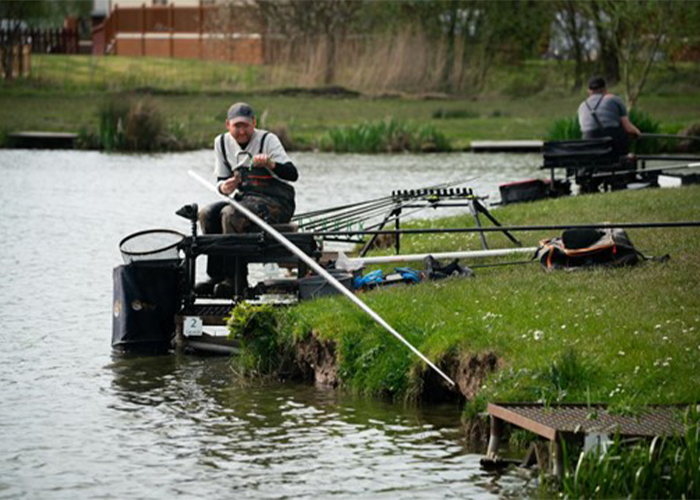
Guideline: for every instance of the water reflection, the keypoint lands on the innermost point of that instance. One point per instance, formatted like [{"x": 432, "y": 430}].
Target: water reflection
[{"x": 282, "y": 440}]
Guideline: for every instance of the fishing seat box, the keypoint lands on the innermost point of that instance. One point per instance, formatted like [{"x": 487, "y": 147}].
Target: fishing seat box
[{"x": 580, "y": 157}]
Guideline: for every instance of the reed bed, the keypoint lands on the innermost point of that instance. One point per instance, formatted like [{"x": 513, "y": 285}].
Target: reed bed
[
  {"x": 386, "y": 136},
  {"x": 634, "y": 468}
]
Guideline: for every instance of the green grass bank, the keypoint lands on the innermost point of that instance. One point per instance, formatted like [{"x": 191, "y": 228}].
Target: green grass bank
[
  {"x": 627, "y": 336},
  {"x": 65, "y": 93}
]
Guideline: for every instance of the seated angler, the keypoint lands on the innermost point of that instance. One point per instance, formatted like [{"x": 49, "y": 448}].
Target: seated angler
[
  {"x": 261, "y": 184},
  {"x": 603, "y": 114}
]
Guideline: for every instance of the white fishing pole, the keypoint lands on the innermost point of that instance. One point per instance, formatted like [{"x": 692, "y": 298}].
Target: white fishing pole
[
  {"x": 318, "y": 269},
  {"x": 466, "y": 254}
]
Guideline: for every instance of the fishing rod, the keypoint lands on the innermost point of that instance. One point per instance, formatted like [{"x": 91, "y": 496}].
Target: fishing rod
[
  {"x": 405, "y": 199},
  {"x": 343, "y": 216},
  {"x": 550, "y": 227},
  {"x": 647, "y": 170},
  {"x": 671, "y": 136},
  {"x": 318, "y": 269},
  {"x": 383, "y": 198}
]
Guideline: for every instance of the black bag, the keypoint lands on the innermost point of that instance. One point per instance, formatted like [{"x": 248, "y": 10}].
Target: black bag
[
  {"x": 434, "y": 270},
  {"x": 580, "y": 248},
  {"x": 146, "y": 299}
]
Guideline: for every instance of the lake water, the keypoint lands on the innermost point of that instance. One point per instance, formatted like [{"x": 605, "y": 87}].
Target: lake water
[{"x": 77, "y": 421}]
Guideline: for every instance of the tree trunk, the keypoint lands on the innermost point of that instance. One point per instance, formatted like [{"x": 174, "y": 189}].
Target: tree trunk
[{"x": 608, "y": 62}]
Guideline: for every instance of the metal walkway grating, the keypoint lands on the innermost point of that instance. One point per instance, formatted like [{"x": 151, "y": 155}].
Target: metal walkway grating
[{"x": 547, "y": 421}]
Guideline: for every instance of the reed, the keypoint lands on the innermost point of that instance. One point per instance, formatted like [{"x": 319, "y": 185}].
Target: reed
[
  {"x": 112, "y": 122},
  {"x": 127, "y": 123},
  {"x": 663, "y": 468},
  {"x": 564, "y": 129},
  {"x": 386, "y": 136}
]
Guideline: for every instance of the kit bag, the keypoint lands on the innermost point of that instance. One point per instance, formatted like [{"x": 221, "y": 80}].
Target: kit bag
[{"x": 581, "y": 248}]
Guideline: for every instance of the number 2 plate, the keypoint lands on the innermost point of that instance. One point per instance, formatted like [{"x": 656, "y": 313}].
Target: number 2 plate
[{"x": 192, "y": 326}]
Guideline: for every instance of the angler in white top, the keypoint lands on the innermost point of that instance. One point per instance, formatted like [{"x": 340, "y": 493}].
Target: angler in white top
[{"x": 253, "y": 164}]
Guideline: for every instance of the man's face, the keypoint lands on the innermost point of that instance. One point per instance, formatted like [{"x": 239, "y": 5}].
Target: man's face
[{"x": 241, "y": 130}]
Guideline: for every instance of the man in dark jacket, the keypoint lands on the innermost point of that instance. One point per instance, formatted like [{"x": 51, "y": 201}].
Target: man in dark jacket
[{"x": 251, "y": 164}]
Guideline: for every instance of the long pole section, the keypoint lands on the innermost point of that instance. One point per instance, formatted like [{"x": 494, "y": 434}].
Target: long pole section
[
  {"x": 318, "y": 269},
  {"x": 473, "y": 254},
  {"x": 550, "y": 227}
]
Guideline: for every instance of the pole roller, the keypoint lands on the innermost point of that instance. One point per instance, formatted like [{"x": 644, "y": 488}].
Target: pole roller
[{"x": 318, "y": 269}]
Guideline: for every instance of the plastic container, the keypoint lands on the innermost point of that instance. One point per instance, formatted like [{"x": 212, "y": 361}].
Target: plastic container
[{"x": 316, "y": 286}]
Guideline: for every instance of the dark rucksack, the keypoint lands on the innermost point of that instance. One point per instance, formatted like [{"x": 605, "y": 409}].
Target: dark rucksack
[{"x": 580, "y": 248}]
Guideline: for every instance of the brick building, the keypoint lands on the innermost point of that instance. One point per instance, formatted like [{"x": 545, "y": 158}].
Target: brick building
[{"x": 195, "y": 29}]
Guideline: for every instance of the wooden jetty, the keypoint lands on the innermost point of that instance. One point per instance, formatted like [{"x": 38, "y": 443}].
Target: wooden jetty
[
  {"x": 574, "y": 423},
  {"x": 506, "y": 146},
  {"x": 42, "y": 140}
]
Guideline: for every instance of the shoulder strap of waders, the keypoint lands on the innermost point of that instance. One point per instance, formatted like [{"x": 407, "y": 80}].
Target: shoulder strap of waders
[
  {"x": 262, "y": 142},
  {"x": 594, "y": 110},
  {"x": 222, "y": 143}
]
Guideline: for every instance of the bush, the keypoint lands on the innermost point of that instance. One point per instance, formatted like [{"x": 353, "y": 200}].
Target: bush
[
  {"x": 646, "y": 125},
  {"x": 387, "y": 136},
  {"x": 566, "y": 129},
  {"x": 128, "y": 124},
  {"x": 263, "y": 350}
]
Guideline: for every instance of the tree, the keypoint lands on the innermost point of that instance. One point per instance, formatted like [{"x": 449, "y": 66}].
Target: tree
[
  {"x": 320, "y": 23},
  {"x": 638, "y": 31}
]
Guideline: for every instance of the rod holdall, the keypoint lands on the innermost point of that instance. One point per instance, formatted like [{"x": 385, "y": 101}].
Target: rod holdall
[{"x": 588, "y": 247}]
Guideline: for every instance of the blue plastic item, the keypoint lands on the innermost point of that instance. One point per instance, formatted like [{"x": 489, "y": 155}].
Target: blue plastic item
[
  {"x": 408, "y": 274},
  {"x": 372, "y": 278}
]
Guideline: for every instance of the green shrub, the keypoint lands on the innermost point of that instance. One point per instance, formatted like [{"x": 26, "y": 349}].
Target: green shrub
[
  {"x": 112, "y": 121},
  {"x": 262, "y": 349},
  {"x": 386, "y": 136},
  {"x": 144, "y": 128},
  {"x": 128, "y": 124},
  {"x": 565, "y": 129},
  {"x": 646, "y": 125}
]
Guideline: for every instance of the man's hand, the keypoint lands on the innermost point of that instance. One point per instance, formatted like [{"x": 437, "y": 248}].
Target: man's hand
[
  {"x": 263, "y": 161},
  {"x": 232, "y": 183}
]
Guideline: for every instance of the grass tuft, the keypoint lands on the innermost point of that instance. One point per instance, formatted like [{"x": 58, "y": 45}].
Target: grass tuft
[{"x": 662, "y": 468}]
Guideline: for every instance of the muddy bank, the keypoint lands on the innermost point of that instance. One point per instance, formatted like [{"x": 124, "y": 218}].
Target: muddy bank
[{"x": 316, "y": 360}]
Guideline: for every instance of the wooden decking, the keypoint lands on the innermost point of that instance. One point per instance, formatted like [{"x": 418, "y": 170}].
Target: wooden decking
[
  {"x": 574, "y": 422},
  {"x": 42, "y": 140}
]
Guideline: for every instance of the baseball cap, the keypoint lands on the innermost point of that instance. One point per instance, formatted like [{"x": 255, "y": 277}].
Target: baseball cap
[
  {"x": 596, "y": 83},
  {"x": 239, "y": 112}
]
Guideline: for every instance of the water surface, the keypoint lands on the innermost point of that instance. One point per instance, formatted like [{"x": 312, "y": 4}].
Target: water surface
[{"x": 77, "y": 421}]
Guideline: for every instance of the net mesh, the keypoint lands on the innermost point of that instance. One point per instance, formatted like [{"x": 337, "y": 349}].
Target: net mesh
[{"x": 154, "y": 244}]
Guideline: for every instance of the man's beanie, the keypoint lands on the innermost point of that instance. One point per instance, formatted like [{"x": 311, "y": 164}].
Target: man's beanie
[
  {"x": 240, "y": 111},
  {"x": 596, "y": 83}
]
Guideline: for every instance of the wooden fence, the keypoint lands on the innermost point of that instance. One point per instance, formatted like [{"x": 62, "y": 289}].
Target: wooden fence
[
  {"x": 43, "y": 41},
  {"x": 203, "y": 32}
]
